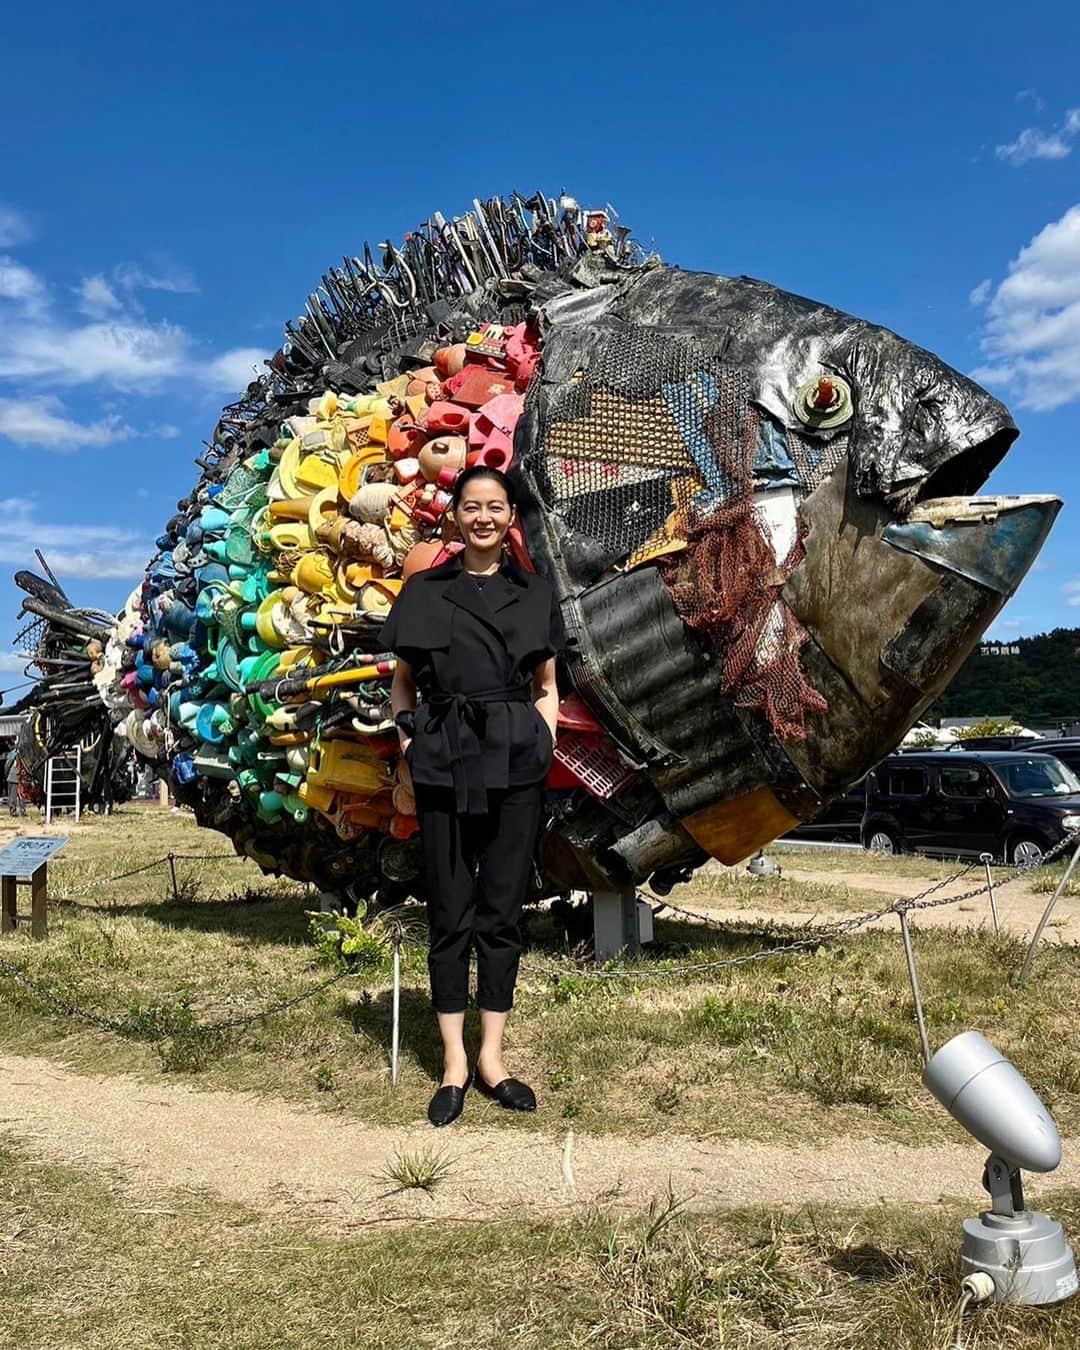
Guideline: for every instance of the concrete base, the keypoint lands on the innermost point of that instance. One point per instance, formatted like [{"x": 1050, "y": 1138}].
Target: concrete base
[
  {"x": 1026, "y": 1256},
  {"x": 621, "y": 922}
]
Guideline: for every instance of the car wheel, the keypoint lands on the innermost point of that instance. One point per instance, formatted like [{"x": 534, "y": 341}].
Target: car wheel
[
  {"x": 883, "y": 841},
  {"x": 1026, "y": 852}
]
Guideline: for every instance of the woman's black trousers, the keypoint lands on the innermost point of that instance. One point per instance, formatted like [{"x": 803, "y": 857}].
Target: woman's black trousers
[{"x": 476, "y": 872}]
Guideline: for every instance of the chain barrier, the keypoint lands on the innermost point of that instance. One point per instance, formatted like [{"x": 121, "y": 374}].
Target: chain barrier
[
  {"x": 819, "y": 937},
  {"x": 124, "y": 1029},
  {"x": 922, "y": 901},
  {"x": 146, "y": 867}
]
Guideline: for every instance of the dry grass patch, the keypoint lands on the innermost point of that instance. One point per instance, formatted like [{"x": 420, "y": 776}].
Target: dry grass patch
[{"x": 85, "y": 1266}]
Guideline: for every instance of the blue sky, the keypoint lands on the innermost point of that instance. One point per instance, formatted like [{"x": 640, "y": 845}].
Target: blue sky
[{"x": 174, "y": 180}]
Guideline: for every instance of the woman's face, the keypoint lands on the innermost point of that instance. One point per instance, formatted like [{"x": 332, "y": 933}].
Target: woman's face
[{"x": 483, "y": 516}]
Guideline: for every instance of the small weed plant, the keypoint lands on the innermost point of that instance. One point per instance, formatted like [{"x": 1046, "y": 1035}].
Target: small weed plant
[
  {"x": 344, "y": 942},
  {"x": 422, "y": 1170}
]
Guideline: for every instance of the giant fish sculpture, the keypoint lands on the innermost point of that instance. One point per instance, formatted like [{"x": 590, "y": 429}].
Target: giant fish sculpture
[{"x": 756, "y": 512}]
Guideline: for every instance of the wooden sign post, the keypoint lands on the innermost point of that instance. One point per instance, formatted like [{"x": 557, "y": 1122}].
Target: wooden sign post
[{"x": 25, "y": 862}]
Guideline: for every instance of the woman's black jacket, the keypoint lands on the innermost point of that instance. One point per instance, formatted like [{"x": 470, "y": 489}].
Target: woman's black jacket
[{"x": 465, "y": 640}]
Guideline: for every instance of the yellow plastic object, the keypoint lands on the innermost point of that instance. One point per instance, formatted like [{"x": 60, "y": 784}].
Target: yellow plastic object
[
  {"x": 351, "y": 472},
  {"x": 291, "y": 536},
  {"x": 356, "y": 432},
  {"x": 327, "y": 406},
  {"x": 293, "y": 657},
  {"x": 314, "y": 573},
  {"x": 287, "y": 466},
  {"x": 264, "y": 620},
  {"x": 416, "y": 404},
  {"x": 322, "y": 683},
  {"x": 378, "y": 430},
  {"x": 316, "y": 472},
  {"x": 378, "y": 595},
  {"x": 291, "y": 508},
  {"x": 322, "y": 506},
  {"x": 359, "y": 574},
  {"x": 343, "y": 588},
  {"x": 346, "y": 766},
  {"x": 318, "y": 798}
]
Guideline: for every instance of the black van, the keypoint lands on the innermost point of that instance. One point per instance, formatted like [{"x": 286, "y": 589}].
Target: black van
[
  {"x": 1013, "y": 805},
  {"x": 840, "y": 822},
  {"x": 1065, "y": 748}
]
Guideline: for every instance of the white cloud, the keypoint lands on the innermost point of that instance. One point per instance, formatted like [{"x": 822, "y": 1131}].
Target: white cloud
[
  {"x": 97, "y": 298},
  {"x": 126, "y": 353},
  {"x": 165, "y": 277},
  {"x": 20, "y": 285},
  {"x": 11, "y": 663},
  {"x": 981, "y": 293},
  {"x": 115, "y": 344},
  {"x": 1071, "y": 592},
  {"x": 42, "y": 420},
  {"x": 1034, "y": 143},
  {"x": 234, "y": 370},
  {"x": 14, "y": 227},
  {"x": 90, "y": 552},
  {"x": 1031, "y": 335}
]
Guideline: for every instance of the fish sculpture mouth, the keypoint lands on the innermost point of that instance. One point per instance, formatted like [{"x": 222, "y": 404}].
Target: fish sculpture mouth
[{"x": 966, "y": 472}]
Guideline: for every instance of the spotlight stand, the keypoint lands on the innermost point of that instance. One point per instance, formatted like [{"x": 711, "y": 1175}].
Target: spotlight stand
[{"x": 1023, "y": 1251}]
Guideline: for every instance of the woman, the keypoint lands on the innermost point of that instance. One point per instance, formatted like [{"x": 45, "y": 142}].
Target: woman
[{"x": 476, "y": 637}]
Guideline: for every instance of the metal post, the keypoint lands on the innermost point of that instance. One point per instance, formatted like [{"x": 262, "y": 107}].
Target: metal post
[
  {"x": 396, "y": 1028},
  {"x": 909, "y": 952},
  {"x": 48, "y": 790},
  {"x": 1025, "y": 969},
  {"x": 172, "y": 873},
  {"x": 986, "y": 859},
  {"x": 39, "y": 900},
  {"x": 615, "y": 923},
  {"x": 78, "y": 783}
]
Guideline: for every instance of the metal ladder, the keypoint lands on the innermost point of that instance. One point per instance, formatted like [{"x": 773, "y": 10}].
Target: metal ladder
[{"x": 63, "y": 784}]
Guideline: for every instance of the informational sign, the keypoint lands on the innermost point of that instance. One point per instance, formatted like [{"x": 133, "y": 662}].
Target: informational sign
[{"x": 23, "y": 857}]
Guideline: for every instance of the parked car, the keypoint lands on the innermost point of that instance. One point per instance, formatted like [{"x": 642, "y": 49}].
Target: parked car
[
  {"x": 1065, "y": 748},
  {"x": 1011, "y": 804},
  {"x": 840, "y": 822},
  {"x": 1002, "y": 742}
]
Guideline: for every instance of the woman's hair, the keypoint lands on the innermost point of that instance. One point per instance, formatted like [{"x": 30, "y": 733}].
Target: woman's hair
[{"x": 482, "y": 471}]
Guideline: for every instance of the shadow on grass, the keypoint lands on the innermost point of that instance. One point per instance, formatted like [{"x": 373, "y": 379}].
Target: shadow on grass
[
  {"x": 249, "y": 916},
  {"x": 870, "y": 1264},
  {"x": 372, "y": 1015},
  {"x": 255, "y": 916}
]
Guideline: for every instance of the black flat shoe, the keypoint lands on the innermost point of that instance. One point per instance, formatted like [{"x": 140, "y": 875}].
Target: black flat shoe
[
  {"x": 510, "y": 1092},
  {"x": 448, "y": 1103}
]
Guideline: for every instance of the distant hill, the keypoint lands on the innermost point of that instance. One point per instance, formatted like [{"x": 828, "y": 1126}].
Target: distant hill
[{"x": 1038, "y": 686}]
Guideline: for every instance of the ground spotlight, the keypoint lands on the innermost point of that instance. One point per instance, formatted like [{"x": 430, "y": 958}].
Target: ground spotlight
[
  {"x": 1023, "y": 1251},
  {"x": 762, "y": 866}
]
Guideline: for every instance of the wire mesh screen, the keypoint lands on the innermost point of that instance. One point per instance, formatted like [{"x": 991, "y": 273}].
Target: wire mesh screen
[{"x": 650, "y": 449}]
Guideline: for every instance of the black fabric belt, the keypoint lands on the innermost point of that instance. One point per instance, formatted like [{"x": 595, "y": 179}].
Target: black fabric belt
[{"x": 465, "y": 716}]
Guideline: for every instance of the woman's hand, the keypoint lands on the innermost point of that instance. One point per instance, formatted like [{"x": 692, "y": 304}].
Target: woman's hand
[
  {"x": 402, "y": 699},
  {"x": 546, "y": 694}
]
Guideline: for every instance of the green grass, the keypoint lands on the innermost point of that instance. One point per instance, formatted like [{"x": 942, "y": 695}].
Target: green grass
[
  {"x": 808, "y": 1044},
  {"x": 90, "y": 1265}
]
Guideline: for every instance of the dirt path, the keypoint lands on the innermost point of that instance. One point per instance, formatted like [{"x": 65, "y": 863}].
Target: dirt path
[
  {"x": 1019, "y": 906},
  {"x": 290, "y": 1161}
]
